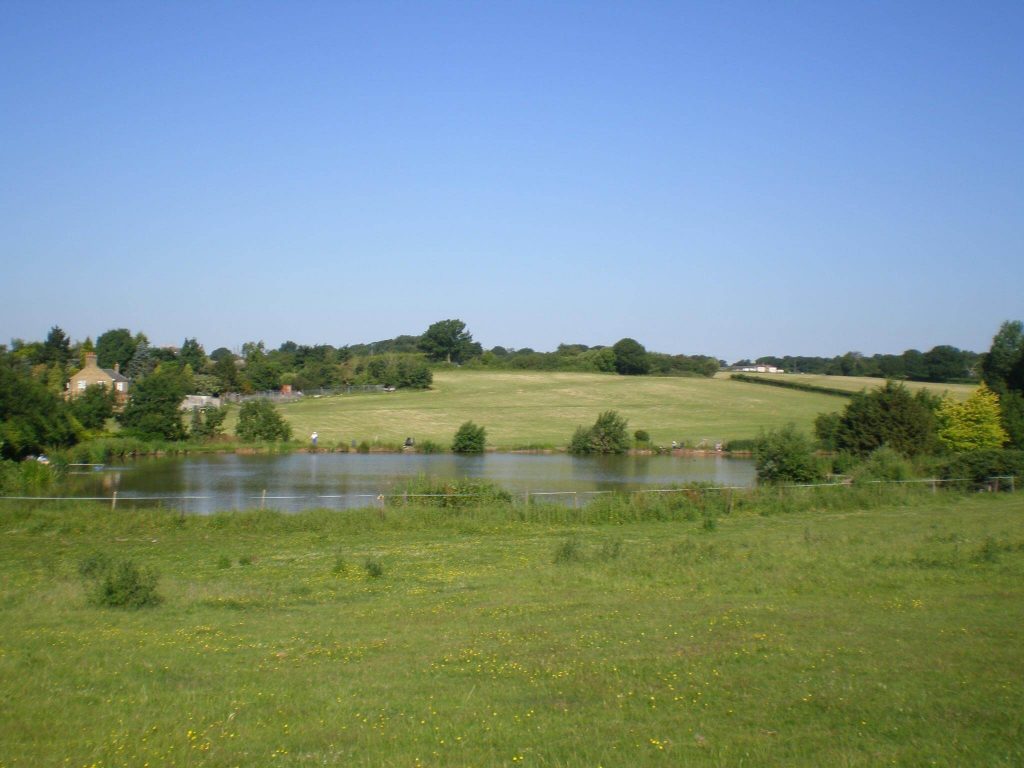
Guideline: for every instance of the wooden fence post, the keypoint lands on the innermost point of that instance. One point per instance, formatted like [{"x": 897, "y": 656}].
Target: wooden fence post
[{"x": 113, "y": 502}]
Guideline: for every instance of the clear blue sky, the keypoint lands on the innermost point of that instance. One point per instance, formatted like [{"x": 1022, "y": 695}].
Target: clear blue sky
[{"x": 735, "y": 179}]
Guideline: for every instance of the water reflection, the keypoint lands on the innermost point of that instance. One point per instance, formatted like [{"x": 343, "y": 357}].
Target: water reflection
[{"x": 302, "y": 481}]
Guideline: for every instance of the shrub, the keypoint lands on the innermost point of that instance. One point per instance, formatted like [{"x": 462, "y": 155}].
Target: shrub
[
  {"x": 121, "y": 584},
  {"x": 884, "y": 464},
  {"x": 469, "y": 439},
  {"x": 374, "y": 568},
  {"x": 607, "y": 435},
  {"x": 785, "y": 456},
  {"x": 981, "y": 465},
  {"x": 429, "y": 446},
  {"x": 568, "y": 551},
  {"x": 642, "y": 437},
  {"x": 259, "y": 420}
]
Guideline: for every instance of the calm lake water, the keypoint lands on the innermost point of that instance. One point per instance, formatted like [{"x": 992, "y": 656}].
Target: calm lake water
[{"x": 344, "y": 480}]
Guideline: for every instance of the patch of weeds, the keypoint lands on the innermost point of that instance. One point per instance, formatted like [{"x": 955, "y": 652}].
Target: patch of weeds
[
  {"x": 989, "y": 551},
  {"x": 223, "y": 562},
  {"x": 246, "y": 560},
  {"x": 92, "y": 566},
  {"x": 710, "y": 521},
  {"x": 569, "y": 551},
  {"x": 340, "y": 566},
  {"x": 120, "y": 584},
  {"x": 611, "y": 550},
  {"x": 374, "y": 568}
]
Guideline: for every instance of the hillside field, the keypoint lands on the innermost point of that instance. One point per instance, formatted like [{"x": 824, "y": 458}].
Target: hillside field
[
  {"x": 541, "y": 409},
  {"x": 831, "y": 636}
]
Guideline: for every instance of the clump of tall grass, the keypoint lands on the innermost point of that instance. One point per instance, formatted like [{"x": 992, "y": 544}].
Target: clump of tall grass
[
  {"x": 427, "y": 491},
  {"x": 118, "y": 583}
]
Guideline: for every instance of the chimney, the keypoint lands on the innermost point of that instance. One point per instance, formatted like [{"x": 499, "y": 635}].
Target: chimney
[
  {"x": 90, "y": 359},
  {"x": 117, "y": 367}
]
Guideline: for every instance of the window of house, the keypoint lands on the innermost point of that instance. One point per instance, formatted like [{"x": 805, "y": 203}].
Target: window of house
[
  {"x": 81, "y": 384},
  {"x": 120, "y": 386}
]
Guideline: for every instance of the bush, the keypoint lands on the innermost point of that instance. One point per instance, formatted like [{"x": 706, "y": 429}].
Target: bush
[
  {"x": 259, "y": 420},
  {"x": 642, "y": 437},
  {"x": 119, "y": 584},
  {"x": 884, "y": 464},
  {"x": 568, "y": 551},
  {"x": 374, "y": 568},
  {"x": 607, "y": 435},
  {"x": 469, "y": 439},
  {"x": 429, "y": 446},
  {"x": 981, "y": 465},
  {"x": 785, "y": 456}
]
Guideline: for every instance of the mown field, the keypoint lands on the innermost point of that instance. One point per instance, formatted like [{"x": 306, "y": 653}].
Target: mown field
[
  {"x": 828, "y": 636},
  {"x": 539, "y": 409}
]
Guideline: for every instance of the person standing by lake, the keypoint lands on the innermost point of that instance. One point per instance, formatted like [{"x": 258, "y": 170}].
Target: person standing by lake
[{"x": 314, "y": 437}]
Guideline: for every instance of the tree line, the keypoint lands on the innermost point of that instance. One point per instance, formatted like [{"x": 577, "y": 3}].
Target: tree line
[{"x": 943, "y": 364}]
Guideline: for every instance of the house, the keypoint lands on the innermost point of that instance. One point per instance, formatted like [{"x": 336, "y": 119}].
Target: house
[
  {"x": 93, "y": 374},
  {"x": 759, "y": 368}
]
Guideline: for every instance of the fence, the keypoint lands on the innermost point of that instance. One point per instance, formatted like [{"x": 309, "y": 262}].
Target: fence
[
  {"x": 287, "y": 397},
  {"x": 265, "y": 500}
]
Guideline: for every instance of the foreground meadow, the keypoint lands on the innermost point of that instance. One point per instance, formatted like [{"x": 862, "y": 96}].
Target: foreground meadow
[
  {"x": 892, "y": 635},
  {"x": 542, "y": 409}
]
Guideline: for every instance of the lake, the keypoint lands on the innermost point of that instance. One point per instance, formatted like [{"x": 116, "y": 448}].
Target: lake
[{"x": 205, "y": 484}]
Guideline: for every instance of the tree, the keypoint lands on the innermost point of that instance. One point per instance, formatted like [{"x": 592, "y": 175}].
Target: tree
[
  {"x": 888, "y": 415},
  {"x": 31, "y": 416},
  {"x": 57, "y": 347},
  {"x": 153, "y": 413},
  {"x": 607, "y": 435},
  {"x": 448, "y": 340},
  {"x": 630, "y": 357},
  {"x": 1006, "y": 353},
  {"x": 785, "y": 456},
  {"x": 115, "y": 347},
  {"x": 945, "y": 363},
  {"x": 973, "y": 425},
  {"x": 469, "y": 438},
  {"x": 207, "y": 423},
  {"x": 259, "y": 420},
  {"x": 227, "y": 374},
  {"x": 94, "y": 406},
  {"x": 192, "y": 354},
  {"x": 142, "y": 363}
]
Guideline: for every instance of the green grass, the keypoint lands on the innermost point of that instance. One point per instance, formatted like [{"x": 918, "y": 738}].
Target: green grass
[
  {"x": 857, "y": 383},
  {"x": 889, "y": 636},
  {"x": 534, "y": 409}
]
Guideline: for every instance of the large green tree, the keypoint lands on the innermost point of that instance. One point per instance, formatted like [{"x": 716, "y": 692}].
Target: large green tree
[
  {"x": 1002, "y": 368},
  {"x": 154, "y": 411},
  {"x": 631, "y": 357},
  {"x": 888, "y": 415},
  {"x": 448, "y": 340},
  {"x": 259, "y": 420},
  {"x": 973, "y": 425},
  {"x": 32, "y": 417},
  {"x": 115, "y": 346},
  {"x": 192, "y": 354}
]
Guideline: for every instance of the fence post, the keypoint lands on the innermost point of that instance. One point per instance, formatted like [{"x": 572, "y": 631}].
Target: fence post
[
  {"x": 263, "y": 499},
  {"x": 113, "y": 502},
  {"x": 527, "y": 498},
  {"x": 933, "y": 486}
]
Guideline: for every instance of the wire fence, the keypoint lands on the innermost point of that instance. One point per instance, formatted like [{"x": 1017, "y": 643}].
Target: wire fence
[{"x": 574, "y": 498}]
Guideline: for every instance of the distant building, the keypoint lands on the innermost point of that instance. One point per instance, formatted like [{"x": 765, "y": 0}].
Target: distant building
[
  {"x": 759, "y": 369},
  {"x": 105, "y": 377}
]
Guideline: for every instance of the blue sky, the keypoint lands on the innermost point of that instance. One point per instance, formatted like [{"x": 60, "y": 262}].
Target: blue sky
[{"x": 736, "y": 179}]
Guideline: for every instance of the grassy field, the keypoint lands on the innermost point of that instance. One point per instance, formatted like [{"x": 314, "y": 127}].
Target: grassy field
[
  {"x": 534, "y": 409},
  {"x": 857, "y": 383},
  {"x": 890, "y": 636}
]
